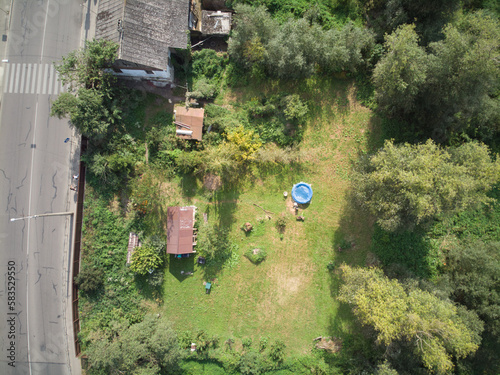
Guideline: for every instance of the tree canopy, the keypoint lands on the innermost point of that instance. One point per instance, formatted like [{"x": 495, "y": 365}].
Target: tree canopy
[
  {"x": 407, "y": 185},
  {"x": 437, "y": 329},
  {"x": 89, "y": 102},
  {"x": 295, "y": 48},
  {"x": 449, "y": 89}
]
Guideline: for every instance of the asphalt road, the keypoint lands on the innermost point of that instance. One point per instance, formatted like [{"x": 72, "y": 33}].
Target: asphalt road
[{"x": 36, "y": 169}]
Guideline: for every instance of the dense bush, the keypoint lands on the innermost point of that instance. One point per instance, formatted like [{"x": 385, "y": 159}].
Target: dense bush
[
  {"x": 145, "y": 259},
  {"x": 207, "y": 71},
  {"x": 256, "y": 255},
  {"x": 90, "y": 279}
]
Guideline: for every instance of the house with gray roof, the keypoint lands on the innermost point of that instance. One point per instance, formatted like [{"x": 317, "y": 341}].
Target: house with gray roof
[{"x": 146, "y": 32}]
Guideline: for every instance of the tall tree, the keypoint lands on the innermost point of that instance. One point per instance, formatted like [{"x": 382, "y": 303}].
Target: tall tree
[
  {"x": 295, "y": 49},
  {"x": 407, "y": 185},
  {"x": 474, "y": 274},
  {"x": 401, "y": 73},
  {"x": 147, "y": 347},
  {"x": 462, "y": 90},
  {"x": 89, "y": 103},
  {"x": 85, "y": 67},
  {"x": 437, "y": 330},
  {"x": 451, "y": 89}
]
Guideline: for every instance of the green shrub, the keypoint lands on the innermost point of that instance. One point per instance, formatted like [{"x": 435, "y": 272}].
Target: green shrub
[
  {"x": 256, "y": 255},
  {"x": 145, "y": 259},
  {"x": 264, "y": 341},
  {"x": 90, "y": 279},
  {"x": 251, "y": 363},
  {"x": 246, "y": 342},
  {"x": 281, "y": 223},
  {"x": 277, "y": 352}
]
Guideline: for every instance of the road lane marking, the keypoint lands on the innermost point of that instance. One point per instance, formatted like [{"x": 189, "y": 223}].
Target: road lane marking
[
  {"x": 46, "y": 78},
  {"x": 39, "y": 83},
  {"x": 32, "y": 78},
  {"x": 18, "y": 72},
  {"x": 28, "y": 78},
  {"x": 6, "y": 77},
  {"x": 51, "y": 78},
  {"x": 33, "y": 83},
  {"x": 23, "y": 77},
  {"x": 12, "y": 75}
]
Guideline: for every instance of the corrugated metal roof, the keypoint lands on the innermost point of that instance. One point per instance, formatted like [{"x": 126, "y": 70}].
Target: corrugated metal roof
[{"x": 180, "y": 234}]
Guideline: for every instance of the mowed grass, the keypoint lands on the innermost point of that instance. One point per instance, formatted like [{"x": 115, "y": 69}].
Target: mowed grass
[{"x": 290, "y": 296}]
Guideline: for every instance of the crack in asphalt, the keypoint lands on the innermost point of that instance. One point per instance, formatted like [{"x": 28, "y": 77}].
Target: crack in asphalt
[
  {"x": 20, "y": 322},
  {"x": 29, "y": 131},
  {"x": 9, "y": 196},
  {"x": 39, "y": 276},
  {"x": 54, "y": 286},
  {"x": 22, "y": 181},
  {"x": 55, "y": 190}
]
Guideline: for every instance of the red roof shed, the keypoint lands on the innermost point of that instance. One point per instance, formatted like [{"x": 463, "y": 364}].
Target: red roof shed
[{"x": 180, "y": 232}]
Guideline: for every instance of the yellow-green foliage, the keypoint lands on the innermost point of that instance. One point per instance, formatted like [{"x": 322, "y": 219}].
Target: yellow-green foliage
[
  {"x": 145, "y": 258},
  {"x": 435, "y": 327},
  {"x": 243, "y": 143},
  {"x": 404, "y": 185}
]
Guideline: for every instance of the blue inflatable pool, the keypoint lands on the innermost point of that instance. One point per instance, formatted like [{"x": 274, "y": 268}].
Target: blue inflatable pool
[{"x": 302, "y": 193}]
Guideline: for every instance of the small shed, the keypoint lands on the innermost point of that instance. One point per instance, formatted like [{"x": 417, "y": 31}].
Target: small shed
[
  {"x": 215, "y": 22},
  {"x": 181, "y": 234},
  {"x": 189, "y": 122}
]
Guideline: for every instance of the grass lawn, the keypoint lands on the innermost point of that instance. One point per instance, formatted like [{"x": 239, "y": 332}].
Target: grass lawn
[{"x": 291, "y": 295}]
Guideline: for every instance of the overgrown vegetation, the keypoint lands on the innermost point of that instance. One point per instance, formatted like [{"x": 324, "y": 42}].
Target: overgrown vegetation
[{"x": 284, "y": 105}]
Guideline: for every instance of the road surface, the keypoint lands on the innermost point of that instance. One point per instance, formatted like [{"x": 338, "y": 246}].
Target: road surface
[{"x": 36, "y": 169}]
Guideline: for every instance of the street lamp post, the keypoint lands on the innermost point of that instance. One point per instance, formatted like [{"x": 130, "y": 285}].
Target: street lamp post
[{"x": 41, "y": 215}]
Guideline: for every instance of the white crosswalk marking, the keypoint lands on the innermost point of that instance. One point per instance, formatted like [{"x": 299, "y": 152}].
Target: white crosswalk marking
[
  {"x": 23, "y": 76},
  {"x": 15, "y": 79},
  {"x": 39, "y": 83},
  {"x": 12, "y": 74},
  {"x": 26, "y": 78},
  {"x": 45, "y": 79},
  {"x": 6, "y": 77},
  {"x": 33, "y": 82}
]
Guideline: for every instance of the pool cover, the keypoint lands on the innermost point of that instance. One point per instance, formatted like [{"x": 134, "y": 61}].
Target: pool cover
[{"x": 302, "y": 193}]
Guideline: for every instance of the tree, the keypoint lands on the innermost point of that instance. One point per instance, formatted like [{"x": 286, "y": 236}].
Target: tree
[
  {"x": 87, "y": 66},
  {"x": 450, "y": 90},
  {"x": 89, "y": 111},
  {"x": 385, "y": 16},
  {"x": 89, "y": 102},
  {"x": 213, "y": 242},
  {"x": 437, "y": 330},
  {"x": 474, "y": 275},
  {"x": 90, "y": 279},
  {"x": 400, "y": 74},
  {"x": 464, "y": 78},
  {"x": 147, "y": 347},
  {"x": 144, "y": 259},
  {"x": 407, "y": 185},
  {"x": 295, "y": 49}
]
